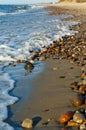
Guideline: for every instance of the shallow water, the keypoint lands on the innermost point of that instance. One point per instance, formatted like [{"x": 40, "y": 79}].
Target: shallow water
[{"x": 25, "y": 31}]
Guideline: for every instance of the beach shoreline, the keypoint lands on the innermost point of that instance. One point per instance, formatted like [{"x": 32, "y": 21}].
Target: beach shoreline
[{"x": 51, "y": 94}]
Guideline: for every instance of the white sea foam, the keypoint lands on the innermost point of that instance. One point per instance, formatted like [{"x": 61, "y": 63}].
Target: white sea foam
[
  {"x": 20, "y": 44},
  {"x": 19, "y": 9},
  {"x": 1, "y": 13},
  {"x": 5, "y": 126},
  {"x": 6, "y": 84}
]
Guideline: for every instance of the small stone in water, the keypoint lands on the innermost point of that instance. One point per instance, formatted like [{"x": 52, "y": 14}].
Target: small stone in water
[{"x": 28, "y": 66}]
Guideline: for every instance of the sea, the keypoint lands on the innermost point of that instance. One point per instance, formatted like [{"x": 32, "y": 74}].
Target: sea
[{"x": 23, "y": 28}]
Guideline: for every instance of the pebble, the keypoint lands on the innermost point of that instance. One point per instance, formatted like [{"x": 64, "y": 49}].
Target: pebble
[
  {"x": 65, "y": 117},
  {"x": 27, "y": 123},
  {"x": 78, "y": 117},
  {"x": 42, "y": 58},
  {"x": 55, "y": 68},
  {"x": 82, "y": 127},
  {"x": 72, "y": 123},
  {"x": 28, "y": 66}
]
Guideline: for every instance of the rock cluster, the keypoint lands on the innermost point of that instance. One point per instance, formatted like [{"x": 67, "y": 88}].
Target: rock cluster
[
  {"x": 74, "y": 119},
  {"x": 69, "y": 47},
  {"x": 77, "y": 118}
]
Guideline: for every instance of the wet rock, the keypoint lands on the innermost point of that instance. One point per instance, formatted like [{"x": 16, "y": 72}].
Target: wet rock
[
  {"x": 55, "y": 68},
  {"x": 82, "y": 127},
  {"x": 84, "y": 82},
  {"x": 27, "y": 123},
  {"x": 42, "y": 58},
  {"x": 44, "y": 50},
  {"x": 77, "y": 102},
  {"x": 74, "y": 86},
  {"x": 78, "y": 117},
  {"x": 72, "y": 123},
  {"x": 28, "y": 66},
  {"x": 20, "y": 61},
  {"x": 33, "y": 58},
  {"x": 82, "y": 89},
  {"x": 64, "y": 118}
]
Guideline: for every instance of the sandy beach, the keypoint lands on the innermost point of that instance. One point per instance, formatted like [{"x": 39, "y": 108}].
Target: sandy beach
[
  {"x": 50, "y": 89},
  {"x": 78, "y": 10}
]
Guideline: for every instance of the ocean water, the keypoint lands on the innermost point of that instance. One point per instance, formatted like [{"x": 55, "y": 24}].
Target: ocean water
[{"x": 23, "y": 28}]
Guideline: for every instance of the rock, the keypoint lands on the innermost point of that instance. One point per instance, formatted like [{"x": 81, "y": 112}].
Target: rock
[
  {"x": 44, "y": 50},
  {"x": 78, "y": 117},
  {"x": 84, "y": 82},
  {"x": 77, "y": 102},
  {"x": 72, "y": 123},
  {"x": 42, "y": 58},
  {"x": 74, "y": 84},
  {"x": 83, "y": 69},
  {"x": 82, "y": 88},
  {"x": 83, "y": 75},
  {"x": 20, "y": 61},
  {"x": 62, "y": 77},
  {"x": 64, "y": 118},
  {"x": 28, "y": 66},
  {"x": 27, "y": 123},
  {"x": 57, "y": 49},
  {"x": 74, "y": 87},
  {"x": 33, "y": 58},
  {"x": 55, "y": 68},
  {"x": 82, "y": 127}
]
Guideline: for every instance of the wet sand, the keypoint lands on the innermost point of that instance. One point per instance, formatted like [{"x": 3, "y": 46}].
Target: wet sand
[{"x": 50, "y": 90}]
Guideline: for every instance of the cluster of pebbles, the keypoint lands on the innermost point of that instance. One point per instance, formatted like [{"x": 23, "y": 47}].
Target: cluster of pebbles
[
  {"x": 77, "y": 55},
  {"x": 71, "y": 47},
  {"x": 77, "y": 119},
  {"x": 74, "y": 119}
]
